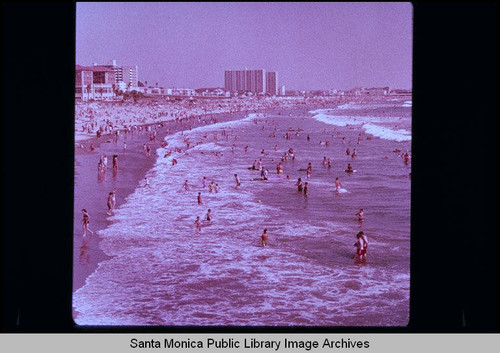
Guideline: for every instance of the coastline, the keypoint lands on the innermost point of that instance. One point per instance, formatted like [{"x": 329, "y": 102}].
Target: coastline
[
  {"x": 136, "y": 167},
  {"x": 133, "y": 165}
]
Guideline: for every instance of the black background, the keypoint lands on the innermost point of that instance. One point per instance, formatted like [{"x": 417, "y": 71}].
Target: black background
[{"x": 454, "y": 260}]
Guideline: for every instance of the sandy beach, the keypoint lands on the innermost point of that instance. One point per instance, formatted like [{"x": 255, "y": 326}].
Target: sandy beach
[
  {"x": 185, "y": 136},
  {"x": 143, "y": 119}
]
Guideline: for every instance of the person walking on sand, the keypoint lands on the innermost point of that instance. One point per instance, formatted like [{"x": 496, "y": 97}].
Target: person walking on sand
[
  {"x": 264, "y": 238},
  {"x": 86, "y": 222},
  {"x": 146, "y": 182},
  {"x": 361, "y": 246}
]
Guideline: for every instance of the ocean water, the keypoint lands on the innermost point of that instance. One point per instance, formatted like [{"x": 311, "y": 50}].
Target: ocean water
[{"x": 163, "y": 271}]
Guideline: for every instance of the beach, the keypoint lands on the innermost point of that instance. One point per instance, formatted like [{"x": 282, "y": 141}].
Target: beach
[{"x": 147, "y": 264}]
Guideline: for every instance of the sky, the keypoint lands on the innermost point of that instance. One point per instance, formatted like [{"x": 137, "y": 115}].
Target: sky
[{"x": 312, "y": 46}]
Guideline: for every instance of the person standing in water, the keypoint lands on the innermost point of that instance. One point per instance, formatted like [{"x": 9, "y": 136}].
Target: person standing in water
[
  {"x": 305, "y": 189},
  {"x": 111, "y": 202},
  {"x": 338, "y": 184},
  {"x": 208, "y": 216},
  {"x": 299, "y": 185},
  {"x": 199, "y": 199},
  {"x": 197, "y": 223},
  {"x": 238, "y": 183},
  {"x": 360, "y": 214},
  {"x": 86, "y": 222},
  {"x": 361, "y": 246},
  {"x": 264, "y": 238}
]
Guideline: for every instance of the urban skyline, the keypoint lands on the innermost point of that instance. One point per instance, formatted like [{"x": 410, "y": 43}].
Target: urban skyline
[{"x": 313, "y": 46}]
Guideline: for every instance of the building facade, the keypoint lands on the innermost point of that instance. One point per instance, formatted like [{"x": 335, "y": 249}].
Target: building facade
[
  {"x": 245, "y": 81},
  {"x": 272, "y": 83},
  {"x": 95, "y": 82},
  {"x": 125, "y": 76}
]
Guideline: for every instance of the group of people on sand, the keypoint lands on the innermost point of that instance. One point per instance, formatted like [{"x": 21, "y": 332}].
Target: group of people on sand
[{"x": 361, "y": 243}]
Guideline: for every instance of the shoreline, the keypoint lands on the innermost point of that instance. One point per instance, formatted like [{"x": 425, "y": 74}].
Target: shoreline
[
  {"x": 87, "y": 255},
  {"x": 128, "y": 178}
]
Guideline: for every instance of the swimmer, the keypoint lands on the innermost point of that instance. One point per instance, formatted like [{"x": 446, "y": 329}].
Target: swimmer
[
  {"x": 265, "y": 174},
  {"x": 406, "y": 157},
  {"x": 197, "y": 223},
  {"x": 348, "y": 151},
  {"x": 325, "y": 161},
  {"x": 349, "y": 168},
  {"x": 361, "y": 246},
  {"x": 353, "y": 153},
  {"x": 360, "y": 214},
  {"x": 264, "y": 238}
]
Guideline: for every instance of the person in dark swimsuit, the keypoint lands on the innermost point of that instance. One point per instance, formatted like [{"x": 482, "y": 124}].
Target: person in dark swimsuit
[
  {"x": 299, "y": 185},
  {"x": 86, "y": 222}
]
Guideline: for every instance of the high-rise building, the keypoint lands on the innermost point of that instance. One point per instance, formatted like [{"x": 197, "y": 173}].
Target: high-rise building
[
  {"x": 126, "y": 74},
  {"x": 272, "y": 83},
  {"x": 245, "y": 81}
]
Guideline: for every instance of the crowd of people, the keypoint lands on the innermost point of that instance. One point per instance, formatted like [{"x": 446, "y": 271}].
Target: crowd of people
[{"x": 110, "y": 119}]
